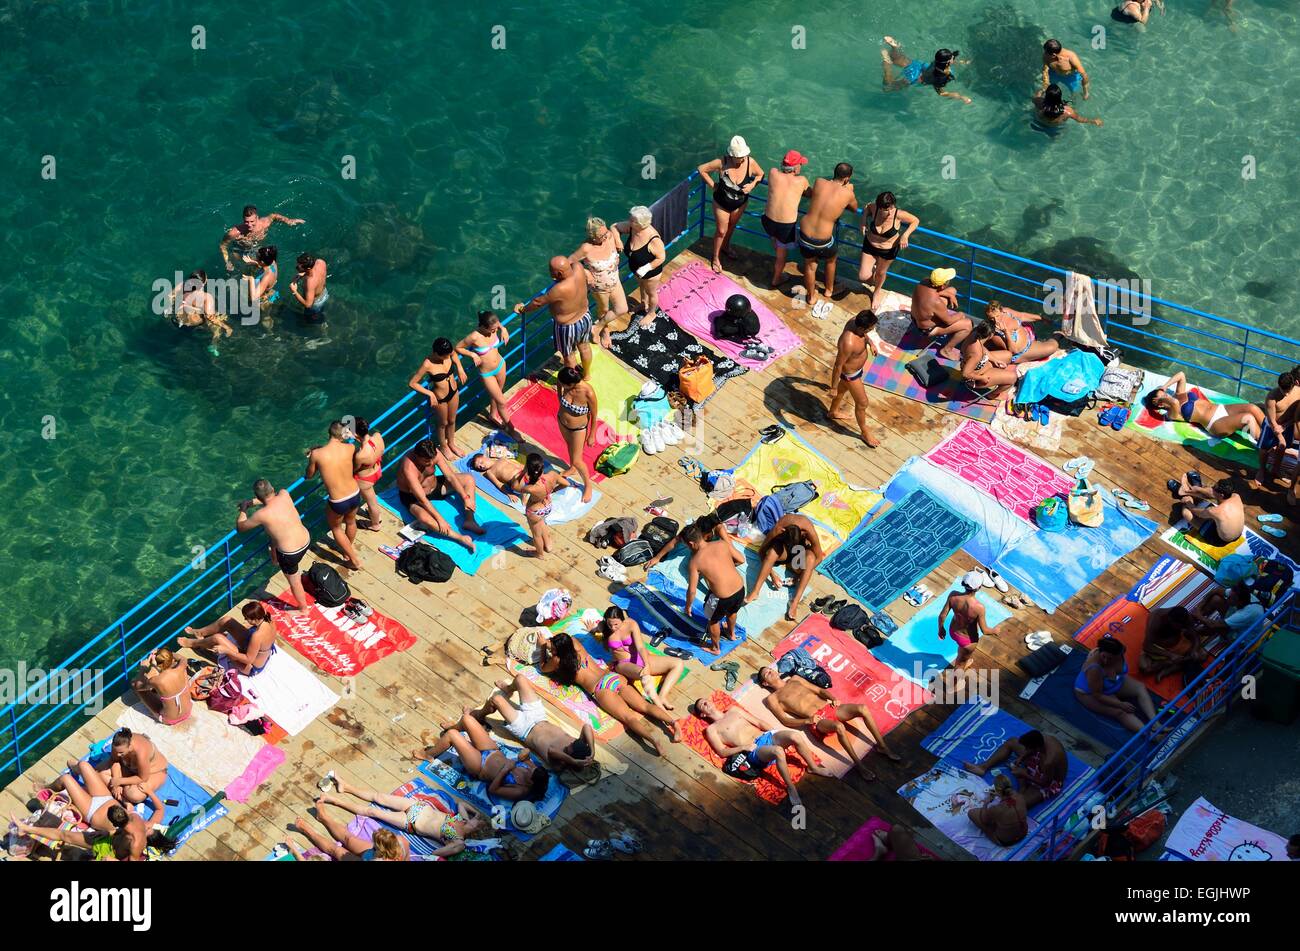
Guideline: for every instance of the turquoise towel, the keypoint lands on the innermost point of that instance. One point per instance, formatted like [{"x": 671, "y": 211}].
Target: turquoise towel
[{"x": 1069, "y": 378}]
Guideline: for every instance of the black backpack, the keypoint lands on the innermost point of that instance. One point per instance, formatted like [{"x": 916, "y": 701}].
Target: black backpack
[
  {"x": 659, "y": 531},
  {"x": 729, "y": 327},
  {"x": 850, "y": 618},
  {"x": 636, "y": 552},
  {"x": 327, "y": 585},
  {"x": 420, "y": 561}
]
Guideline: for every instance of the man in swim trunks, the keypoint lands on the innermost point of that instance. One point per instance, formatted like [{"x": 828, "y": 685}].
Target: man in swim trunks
[
  {"x": 737, "y": 731},
  {"x": 1062, "y": 66},
  {"x": 554, "y": 746},
  {"x": 1278, "y": 431},
  {"x": 799, "y": 705},
  {"x": 569, "y": 300},
  {"x": 282, "y": 524},
  {"x": 423, "y": 475},
  {"x": 1039, "y": 766},
  {"x": 786, "y": 187},
  {"x": 1217, "y": 515},
  {"x": 855, "y": 347},
  {"x": 816, "y": 232},
  {"x": 250, "y": 232},
  {"x": 934, "y": 310},
  {"x": 334, "y": 463},
  {"x": 311, "y": 279},
  {"x": 715, "y": 562}
]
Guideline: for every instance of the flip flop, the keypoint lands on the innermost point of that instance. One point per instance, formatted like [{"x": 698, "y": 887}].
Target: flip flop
[
  {"x": 835, "y": 606},
  {"x": 1269, "y": 517},
  {"x": 1078, "y": 462},
  {"x": 1273, "y": 530},
  {"x": 1038, "y": 639},
  {"x": 626, "y": 842},
  {"x": 1129, "y": 501},
  {"x": 1119, "y": 418}
]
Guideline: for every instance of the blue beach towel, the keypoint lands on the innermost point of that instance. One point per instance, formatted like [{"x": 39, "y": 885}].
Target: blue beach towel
[
  {"x": 446, "y": 772},
  {"x": 502, "y": 531},
  {"x": 918, "y": 643},
  {"x": 561, "y": 853},
  {"x": 1069, "y": 378},
  {"x": 658, "y": 614},
  {"x": 1056, "y": 695},
  {"x": 670, "y": 577},
  {"x": 422, "y": 848}
]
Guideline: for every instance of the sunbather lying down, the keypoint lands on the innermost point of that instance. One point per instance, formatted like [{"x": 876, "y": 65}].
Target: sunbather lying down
[{"x": 1173, "y": 400}]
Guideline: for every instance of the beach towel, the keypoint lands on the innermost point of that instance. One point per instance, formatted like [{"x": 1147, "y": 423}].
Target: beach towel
[
  {"x": 671, "y": 574},
  {"x": 1018, "y": 479},
  {"x": 446, "y": 771},
  {"x": 422, "y": 849},
  {"x": 768, "y": 786},
  {"x": 1032, "y": 435},
  {"x": 1234, "y": 448},
  {"x": 695, "y": 295},
  {"x": 1052, "y": 567},
  {"x": 1251, "y": 544},
  {"x": 944, "y": 795},
  {"x": 206, "y": 747},
  {"x": 1080, "y": 322},
  {"x": 266, "y": 762},
  {"x": 838, "y": 509},
  {"x": 288, "y": 693},
  {"x": 502, "y": 531},
  {"x": 1055, "y": 693},
  {"x": 533, "y": 411},
  {"x": 616, "y": 388},
  {"x": 861, "y": 845},
  {"x": 566, "y": 502},
  {"x": 1068, "y": 378},
  {"x": 997, "y": 529},
  {"x": 191, "y": 799},
  {"x": 561, "y": 853},
  {"x": 885, "y": 557},
  {"x": 657, "y": 613},
  {"x": 331, "y": 640},
  {"x": 658, "y": 351},
  {"x": 916, "y": 651},
  {"x": 1205, "y": 833}
]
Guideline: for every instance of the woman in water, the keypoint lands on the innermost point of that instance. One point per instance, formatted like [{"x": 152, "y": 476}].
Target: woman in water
[
  {"x": 915, "y": 72},
  {"x": 1010, "y": 334},
  {"x": 568, "y": 662},
  {"x": 193, "y": 306},
  {"x": 368, "y": 466},
  {"x": 444, "y": 397},
  {"x": 535, "y": 485},
  {"x": 485, "y": 346},
  {"x": 738, "y": 175},
  {"x": 1137, "y": 11},
  {"x": 481, "y": 759},
  {"x": 261, "y": 288},
  {"x": 627, "y": 644},
  {"x": 986, "y": 376},
  {"x": 164, "y": 687},
  {"x": 599, "y": 255},
  {"x": 1190, "y": 406},
  {"x": 577, "y": 419},
  {"x": 646, "y": 255},
  {"x": 886, "y": 229},
  {"x": 413, "y": 816},
  {"x": 1053, "y": 110},
  {"x": 1105, "y": 687}
]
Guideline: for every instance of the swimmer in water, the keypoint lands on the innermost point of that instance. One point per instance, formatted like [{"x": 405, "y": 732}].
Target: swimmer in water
[
  {"x": 1062, "y": 66},
  {"x": 250, "y": 232},
  {"x": 262, "y": 289},
  {"x": 1053, "y": 110},
  {"x": 914, "y": 72},
  {"x": 1138, "y": 11},
  {"x": 193, "y": 306},
  {"x": 313, "y": 296}
]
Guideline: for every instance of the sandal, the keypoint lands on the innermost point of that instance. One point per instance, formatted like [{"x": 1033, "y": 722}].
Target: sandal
[
  {"x": 626, "y": 842},
  {"x": 327, "y": 781},
  {"x": 770, "y": 434},
  {"x": 834, "y": 606},
  {"x": 995, "y": 579},
  {"x": 1273, "y": 530},
  {"x": 819, "y": 606},
  {"x": 1129, "y": 501}
]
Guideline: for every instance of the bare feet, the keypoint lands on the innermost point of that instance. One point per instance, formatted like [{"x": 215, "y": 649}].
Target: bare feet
[
  {"x": 472, "y": 526},
  {"x": 949, "y": 354},
  {"x": 647, "y": 321},
  {"x": 871, "y": 443},
  {"x": 712, "y": 649},
  {"x": 889, "y": 754},
  {"x": 587, "y": 491},
  {"x": 867, "y": 774}
]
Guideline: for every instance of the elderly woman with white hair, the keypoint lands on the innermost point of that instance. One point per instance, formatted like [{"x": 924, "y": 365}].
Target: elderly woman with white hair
[
  {"x": 599, "y": 255},
  {"x": 738, "y": 175},
  {"x": 646, "y": 255}
]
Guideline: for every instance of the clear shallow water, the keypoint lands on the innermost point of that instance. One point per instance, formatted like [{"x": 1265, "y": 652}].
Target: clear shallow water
[{"x": 475, "y": 165}]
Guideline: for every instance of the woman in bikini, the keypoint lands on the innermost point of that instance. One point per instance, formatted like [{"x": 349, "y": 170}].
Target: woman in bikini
[
  {"x": 261, "y": 288},
  {"x": 1012, "y": 335},
  {"x": 413, "y": 816},
  {"x": 1172, "y": 644},
  {"x": 246, "y": 649},
  {"x": 578, "y": 419},
  {"x": 987, "y": 376},
  {"x": 534, "y": 485},
  {"x": 368, "y": 466},
  {"x": 194, "y": 306},
  {"x": 627, "y": 643},
  {"x": 485, "y": 347},
  {"x": 444, "y": 397},
  {"x": 1105, "y": 687},
  {"x": 646, "y": 255},
  {"x": 1003, "y": 817},
  {"x": 481, "y": 758},
  {"x": 738, "y": 175},
  {"x": 886, "y": 229},
  {"x": 136, "y": 767},
  {"x": 567, "y": 662},
  {"x": 599, "y": 255},
  {"x": 164, "y": 687},
  {"x": 1191, "y": 406},
  {"x": 968, "y": 619}
]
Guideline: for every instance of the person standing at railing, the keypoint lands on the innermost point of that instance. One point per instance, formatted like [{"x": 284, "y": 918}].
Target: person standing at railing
[
  {"x": 738, "y": 175},
  {"x": 443, "y": 392},
  {"x": 599, "y": 254},
  {"x": 485, "y": 346},
  {"x": 569, "y": 300},
  {"x": 786, "y": 188},
  {"x": 886, "y": 230},
  {"x": 816, "y": 232},
  {"x": 646, "y": 256},
  {"x": 334, "y": 463},
  {"x": 368, "y": 466},
  {"x": 290, "y": 539}
]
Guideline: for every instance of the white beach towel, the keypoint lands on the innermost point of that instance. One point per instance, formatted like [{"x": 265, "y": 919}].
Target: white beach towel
[
  {"x": 1080, "y": 322},
  {"x": 289, "y": 693},
  {"x": 205, "y": 747}
]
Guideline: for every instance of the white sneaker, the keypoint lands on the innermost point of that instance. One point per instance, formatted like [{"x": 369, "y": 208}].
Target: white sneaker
[
  {"x": 677, "y": 432},
  {"x": 996, "y": 580},
  {"x": 657, "y": 437},
  {"x": 669, "y": 434},
  {"x": 648, "y": 442}
]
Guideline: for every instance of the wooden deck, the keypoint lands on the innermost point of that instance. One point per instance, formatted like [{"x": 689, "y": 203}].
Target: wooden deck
[{"x": 681, "y": 807}]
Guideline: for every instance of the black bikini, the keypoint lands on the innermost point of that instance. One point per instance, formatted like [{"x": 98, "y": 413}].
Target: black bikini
[
  {"x": 891, "y": 252},
  {"x": 729, "y": 195},
  {"x": 451, "y": 385}
]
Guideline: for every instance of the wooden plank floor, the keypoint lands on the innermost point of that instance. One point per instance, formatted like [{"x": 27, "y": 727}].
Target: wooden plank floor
[{"x": 681, "y": 807}]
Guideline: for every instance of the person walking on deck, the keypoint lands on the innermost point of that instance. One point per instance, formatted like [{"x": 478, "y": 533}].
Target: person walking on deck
[
  {"x": 816, "y": 232},
  {"x": 1063, "y": 67},
  {"x": 786, "y": 187},
  {"x": 569, "y": 300},
  {"x": 279, "y": 518},
  {"x": 852, "y": 352},
  {"x": 334, "y": 463},
  {"x": 738, "y": 175},
  {"x": 716, "y": 563},
  {"x": 250, "y": 232}
]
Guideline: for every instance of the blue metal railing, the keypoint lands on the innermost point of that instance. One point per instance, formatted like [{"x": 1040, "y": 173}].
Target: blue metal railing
[{"x": 236, "y": 565}]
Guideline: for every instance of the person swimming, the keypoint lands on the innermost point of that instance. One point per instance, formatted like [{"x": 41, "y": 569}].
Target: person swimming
[
  {"x": 937, "y": 73},
  {"x": 1053, "y": 110},
  {"x": 1135, "y": 11}
]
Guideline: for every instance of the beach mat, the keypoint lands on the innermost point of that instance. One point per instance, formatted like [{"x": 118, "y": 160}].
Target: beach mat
[
  {"x": 658, "y": 613},
  {"x": 671, "y": 574},
  {"x": 331, "y": 640},
  {"x": 837, "y": 509},
  {"x": 502, "y": 531},
  {"x": 566, "y": 501},
  {"x": 861, "y": 845},
  {"x": 768, "y": 786},
  {"x": 533, "y": 411},
  {"x": 1205, "y": 833},
  {"x": 205, "y": 746},
  {"x": 885, "y": 557},
  {"x": 694, "y": 295},
  {"x": 446, "y": 772},
  {"x": 1055, "y": 694},
  {"x": 916, "y": 651},
  {"x": 561, "y": 853},
  {"x": 659, "y": 350},
  {"x": 1251, "y": 544},
  {"x": 1234, "y": 448},
  {"x": 1014, "y": 477},
  {"x": 831, "y": 753},
  {"x": 1052, "y": 567},
  {"x": 288, "y": 693}
]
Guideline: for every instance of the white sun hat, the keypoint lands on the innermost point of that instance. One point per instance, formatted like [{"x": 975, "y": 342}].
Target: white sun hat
[{"x": 738, "y": 148}]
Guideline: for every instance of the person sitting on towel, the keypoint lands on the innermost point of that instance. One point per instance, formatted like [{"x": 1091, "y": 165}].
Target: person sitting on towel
[
  {"x": 1039, "y": 766},
  {"x": 792, "y": 542},
  {"x": 555, "y": 747},
  {"x": 481, "y": 758},
  {"x": 631, "y": 656},
  {"x": 1003, "y": 817},
  {"x": 1012, "y": 333},
  {"x": 1172, "y": 644},
  {"x": 425, "y": 475},
  {"x": 342, "y": 846},
  {"x": 969, "y": 621},
  {"x": 935, "y": 313},
  {"x": 737, "y": 731},
  {"x": 988, "y": 373},
  {"x": 716, "y": 562},
  {"x": 1229, "y": 613},
  {"x": 245, "y": 649},
  {"x": 1105, "y": 687},
  {"x": 164, "y": 687},
  {"x": 1217, "y": 514},
  {"x": 799, "y": 705},
  {"x": 712, "y": 527},
  {"x": 1174, "y": 400}
]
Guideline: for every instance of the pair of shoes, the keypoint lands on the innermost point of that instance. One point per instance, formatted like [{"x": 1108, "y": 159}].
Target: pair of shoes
[
  {"x": 731, "y": 670},
  {"x": 693, "y": 468},
  {"x": 599, "y": 850},
  {"x": 770, "y": 434},
  {"x": 610, "y": 569},
  {"x": 1038, "y": 639},
  {"x": 1174, "y": 486},
  {"x": 820, "y": 605},
  {"x": 652, "y": 441},
  {"x": 757, "y": 351},
  {"x": 1128, "y": 501},
  {"x": 994, "y": 580},
  {"x": 1017, "y": 601},
  {"x": 822, "y": 309},
  {"x": 1040, "y": 414},
  {"x": 918, "y": 595},
  {"x": 669, "y": 432},
  {"x": 1113, "y": 416},
  {"x": 1080, "y": 467}
]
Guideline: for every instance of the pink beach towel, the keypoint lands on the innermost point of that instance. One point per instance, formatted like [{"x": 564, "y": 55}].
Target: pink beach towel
[
  {"x": 1017, "y": 479},
  {"x": 695, "y": 294},
  {"x": 265, "y": 763},
  {"x": 533, "y": 410},
  {"x": 861, "y": 845}
]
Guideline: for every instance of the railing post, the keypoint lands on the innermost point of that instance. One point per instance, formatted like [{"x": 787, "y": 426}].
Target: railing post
[
  {"x": 1241, "y": 367},
  {"x": 18, "y": 752},
  {"x": 121, "y": 640},
  {"x": 230, "y": 587},
  {"x": 970, "y": 278}
]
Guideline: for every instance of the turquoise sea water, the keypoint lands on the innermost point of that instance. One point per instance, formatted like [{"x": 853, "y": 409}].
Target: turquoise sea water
[{"x": 474, "y": 165}]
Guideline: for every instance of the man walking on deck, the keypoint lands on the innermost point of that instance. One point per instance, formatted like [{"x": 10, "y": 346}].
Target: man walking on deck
[
  {"x": 716, "y": 562},
  {"x": 569, "y": 301},
  {"x": 334, "y": 463},
  {"x": 279, "y": 518},
  {"x": 786, "y": 186},
  {"x": 851, "y": 355},
  {"x": 816, "y": 235}
]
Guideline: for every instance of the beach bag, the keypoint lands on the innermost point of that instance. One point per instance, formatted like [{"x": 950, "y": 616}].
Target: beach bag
[
  {"x": 1234, "y": 569},
  {"x": 554, "y": 605},
  {"x": 1086, "y": 506},
  {"x": 618, "y": 458},
  {"x": 695, "y": 379},
  {"x": 420, "y": 561},
  {"x": 719, "y": 484},
  {"x": 204, "y": 681},
  {"x": 228, "y": 693},
  {"x": 928, "y": 371},
  {"x": 850, "y": 618},
  {"x": 736, "y": 326},
  {"x": 327, "y": 585},
  {"x": 523, "y": 645},
  {"x": 612, "y": 532},
  {"x": 1119, "y": 385},
  {"x": 636, "y": 552},
  {"x": 737, "y": 767},
  {"x": 1051, "y": 515},
  {"x": 660, "y": 530},
  {"x": 795, "y": 495},
  {"x": 1145, "y": 830},
  {"x": 734, "y": 508},
  {"x": 768, "y": 513}
]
